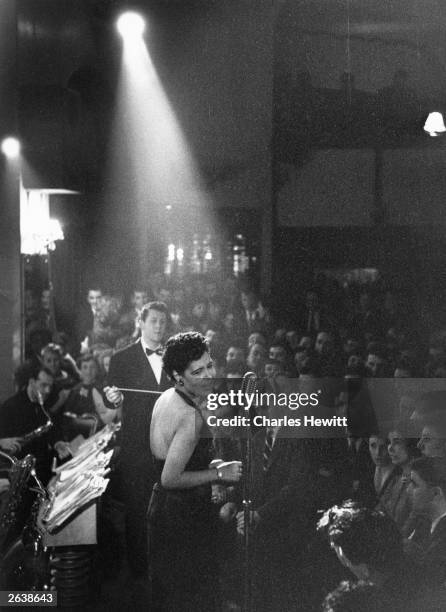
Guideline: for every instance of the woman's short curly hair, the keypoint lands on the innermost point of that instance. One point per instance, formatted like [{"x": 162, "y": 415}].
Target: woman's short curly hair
[
  {"x": 181, "y": 350},
  {"x": 365, "y": 535}
]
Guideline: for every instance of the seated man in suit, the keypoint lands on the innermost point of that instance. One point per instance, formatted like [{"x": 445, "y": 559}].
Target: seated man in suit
[{"x": 428, "y": 492}]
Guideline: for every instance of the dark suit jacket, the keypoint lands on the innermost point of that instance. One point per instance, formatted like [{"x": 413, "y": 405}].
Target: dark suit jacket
[
  {"x": 84, "y": 322},
  {"x": 433, "y": 564},
  {"x": 130, "y": 368},
  {"x": 283, "y": 495}
]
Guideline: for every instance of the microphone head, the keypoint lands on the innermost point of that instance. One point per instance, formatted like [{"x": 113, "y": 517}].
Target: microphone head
[{"x": 249, "y": 383}]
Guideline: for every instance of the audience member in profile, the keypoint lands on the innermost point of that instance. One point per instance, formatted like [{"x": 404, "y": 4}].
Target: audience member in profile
[
  {"x": 433, "y": 437},
  {"x": 368, "y": 543},
  {"x": 384, "y": 467},
  {"x": 428, "y": 493},
  {"x": 395, "y": 499}
]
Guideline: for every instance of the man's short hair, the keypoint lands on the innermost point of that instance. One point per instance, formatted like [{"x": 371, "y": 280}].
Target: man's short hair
[
  {"x": 431, "y": 470},
  {"x": 181, "y": 350},
  {"x": 158, "y": 306},
  {"x": 365, "y": 535}
]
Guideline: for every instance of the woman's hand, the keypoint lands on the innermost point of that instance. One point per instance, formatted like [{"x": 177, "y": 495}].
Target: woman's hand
[
  {"x": 227, "y": 512},
  {"x": 230, "y": 471}
]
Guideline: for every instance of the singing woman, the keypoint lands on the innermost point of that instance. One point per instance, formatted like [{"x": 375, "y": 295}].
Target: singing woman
[{"x": 182, "y": 518}]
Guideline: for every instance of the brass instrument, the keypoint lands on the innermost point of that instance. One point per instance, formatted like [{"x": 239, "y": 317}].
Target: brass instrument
[{"x": 36, "y": 433}]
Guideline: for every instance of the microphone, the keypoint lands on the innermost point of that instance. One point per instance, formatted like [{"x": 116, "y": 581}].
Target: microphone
[
  {"x": 249, "y": 383},
  {"x": 249, "y": 386}
]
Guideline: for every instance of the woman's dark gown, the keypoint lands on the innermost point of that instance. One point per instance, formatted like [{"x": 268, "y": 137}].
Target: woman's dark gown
[{"x": 182, "y": 528}]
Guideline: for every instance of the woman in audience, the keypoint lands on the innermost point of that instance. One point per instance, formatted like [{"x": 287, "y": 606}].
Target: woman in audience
[
  {"x": 369, "y": 545},
  {"x": 395, "y": 499},
  {"x": 384, "y": 468}
]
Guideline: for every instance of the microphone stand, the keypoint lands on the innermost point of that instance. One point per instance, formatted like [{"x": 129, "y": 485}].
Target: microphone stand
[{"x": 248, "y": 386}]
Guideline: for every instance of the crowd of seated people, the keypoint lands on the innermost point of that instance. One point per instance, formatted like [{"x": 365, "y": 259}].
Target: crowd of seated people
[{"x": 392, "y": 469}]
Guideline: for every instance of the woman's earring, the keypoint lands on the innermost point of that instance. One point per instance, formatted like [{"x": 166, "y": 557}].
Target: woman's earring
[{"x": 181, "y": 382}]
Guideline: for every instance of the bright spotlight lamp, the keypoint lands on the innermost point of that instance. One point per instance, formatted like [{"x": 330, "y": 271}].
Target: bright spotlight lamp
[
  {"x": 434, "y": 125},
  {"x": 130, "y": 25},
  {"x": 11, "y": 147}
]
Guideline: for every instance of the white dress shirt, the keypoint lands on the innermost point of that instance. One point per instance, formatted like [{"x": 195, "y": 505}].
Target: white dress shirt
[{"x": 155, "y": 361}]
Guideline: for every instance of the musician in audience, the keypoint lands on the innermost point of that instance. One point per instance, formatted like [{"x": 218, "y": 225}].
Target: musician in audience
[{"x": 24, "y": 412}]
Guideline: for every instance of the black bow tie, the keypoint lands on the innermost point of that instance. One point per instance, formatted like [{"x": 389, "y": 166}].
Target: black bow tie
[{"x": 158, "y": 351}]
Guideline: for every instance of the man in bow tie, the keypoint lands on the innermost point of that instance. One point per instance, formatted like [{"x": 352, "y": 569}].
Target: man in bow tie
[{"x": 138, "y": 366}]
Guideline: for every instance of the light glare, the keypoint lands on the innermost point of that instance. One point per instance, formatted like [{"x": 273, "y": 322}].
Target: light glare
[
  {"x": 434, "y": 124},
  {"x": 11, "y": 147},
  {"x": 130, "y": 24}
]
